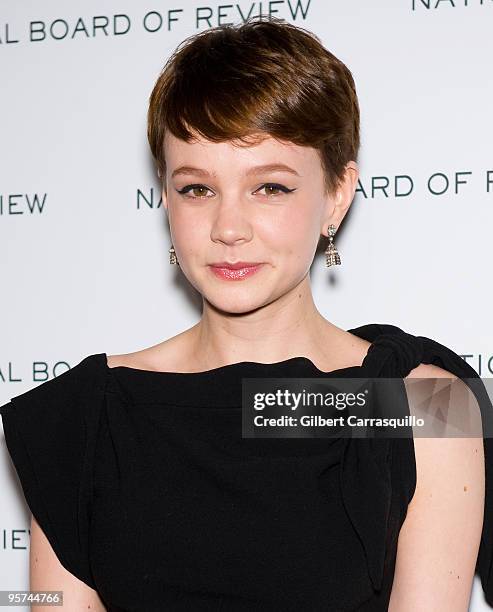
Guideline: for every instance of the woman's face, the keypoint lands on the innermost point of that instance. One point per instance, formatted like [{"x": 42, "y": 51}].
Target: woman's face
[{"x": 231, "y": 209}]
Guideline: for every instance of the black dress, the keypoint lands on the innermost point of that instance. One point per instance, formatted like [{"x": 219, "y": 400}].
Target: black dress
[{"x": 148, "y": 493}]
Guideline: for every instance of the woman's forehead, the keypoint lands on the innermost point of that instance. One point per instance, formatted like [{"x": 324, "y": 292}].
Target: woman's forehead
[{"x": 265, "y": 151}]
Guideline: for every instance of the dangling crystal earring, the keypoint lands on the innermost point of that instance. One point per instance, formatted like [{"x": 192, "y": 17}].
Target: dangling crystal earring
[
  {"x": 172, "y": 256},
  {"x": 331, "y": 253}
]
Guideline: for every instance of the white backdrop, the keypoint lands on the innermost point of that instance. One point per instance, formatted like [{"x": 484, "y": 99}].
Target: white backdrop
[{"x": 84, "y": 242}]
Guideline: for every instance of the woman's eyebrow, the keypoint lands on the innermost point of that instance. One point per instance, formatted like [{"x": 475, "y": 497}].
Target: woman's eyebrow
[{"x": 253, "y": 170}]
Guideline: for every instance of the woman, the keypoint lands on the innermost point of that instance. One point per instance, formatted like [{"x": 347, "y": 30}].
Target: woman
[{"x": 144, "y": 494}]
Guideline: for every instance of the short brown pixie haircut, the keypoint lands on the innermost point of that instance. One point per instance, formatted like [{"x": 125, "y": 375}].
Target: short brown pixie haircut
[{"x": 245, "y": 82}]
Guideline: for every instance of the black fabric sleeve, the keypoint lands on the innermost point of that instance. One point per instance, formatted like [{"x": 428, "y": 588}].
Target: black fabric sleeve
[{"x": 50, "y": 434}]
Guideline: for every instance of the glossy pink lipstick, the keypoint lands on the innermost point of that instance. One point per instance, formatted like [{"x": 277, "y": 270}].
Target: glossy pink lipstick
[{"x": 235, "y": 271}]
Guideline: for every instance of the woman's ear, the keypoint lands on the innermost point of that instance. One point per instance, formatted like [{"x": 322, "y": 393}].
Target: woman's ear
[
  {"x": 164, "y": 192},
  {"x": 347, "y": 187},
  {"x": 338, "y": 204}
]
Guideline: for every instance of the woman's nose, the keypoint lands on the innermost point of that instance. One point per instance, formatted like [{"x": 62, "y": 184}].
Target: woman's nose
[{"x": 231, "y": 222}]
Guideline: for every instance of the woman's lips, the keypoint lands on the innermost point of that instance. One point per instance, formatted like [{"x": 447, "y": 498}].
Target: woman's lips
[{"x": 235, "y": 274}]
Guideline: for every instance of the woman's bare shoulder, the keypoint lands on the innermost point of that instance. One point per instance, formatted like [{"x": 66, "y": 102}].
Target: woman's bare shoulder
[
  {"x": 429, "y": 370},
  {"x": 167, "y": 355}
]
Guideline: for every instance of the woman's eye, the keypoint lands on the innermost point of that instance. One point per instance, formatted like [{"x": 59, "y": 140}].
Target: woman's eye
[
  {"x": 196, "y": 190},
  {"x": 273, "y": 189}
]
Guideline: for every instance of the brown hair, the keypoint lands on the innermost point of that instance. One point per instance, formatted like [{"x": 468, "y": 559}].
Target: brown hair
[{"x": 264, "y": 76}]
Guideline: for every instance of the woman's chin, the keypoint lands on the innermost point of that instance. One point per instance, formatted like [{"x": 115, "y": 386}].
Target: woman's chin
[{"x": 237, "y": 304}]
